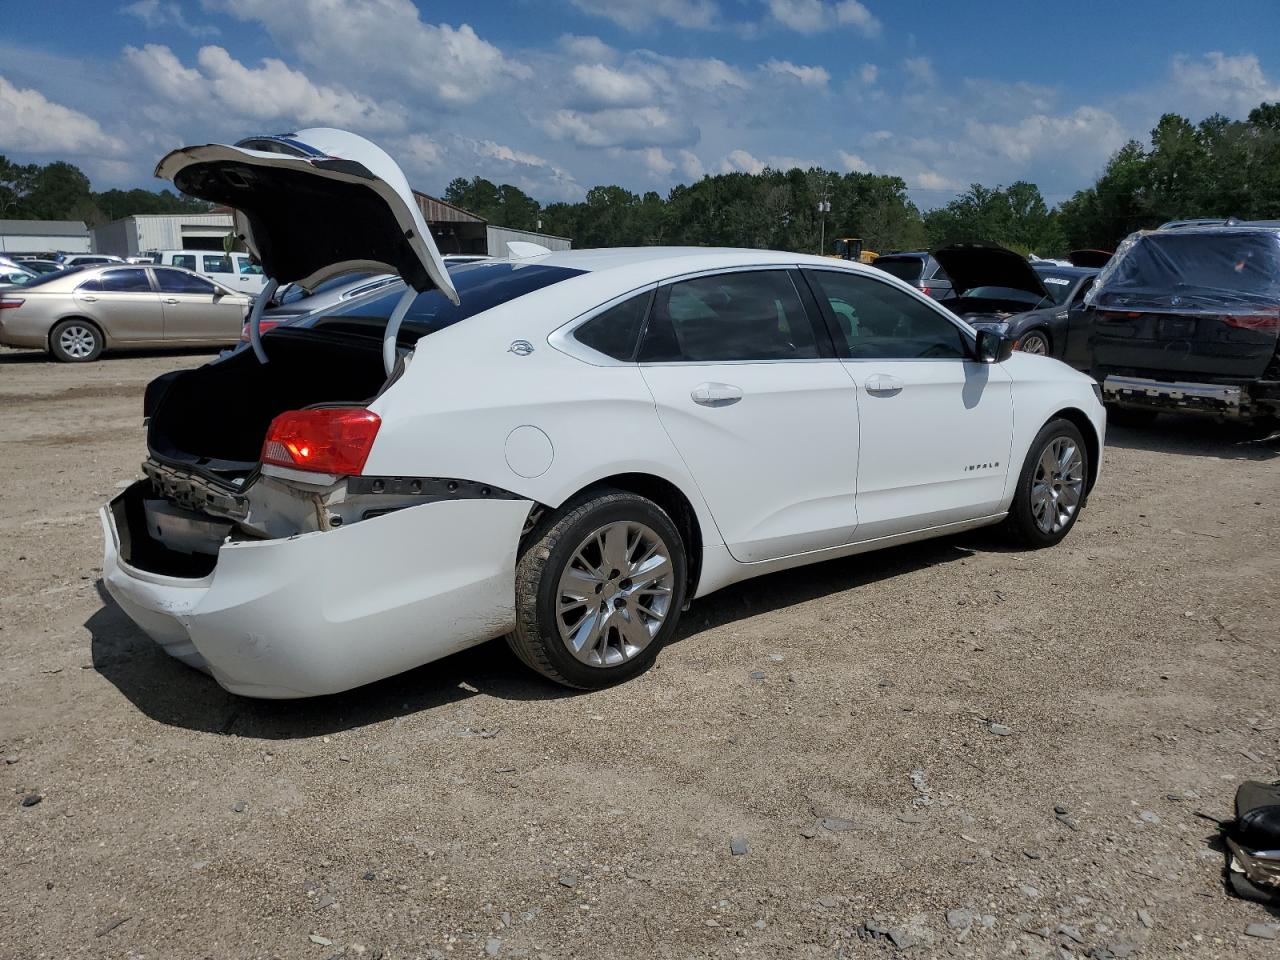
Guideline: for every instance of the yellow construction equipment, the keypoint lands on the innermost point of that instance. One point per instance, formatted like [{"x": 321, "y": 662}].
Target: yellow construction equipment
[{"x": 850, "y": 248}]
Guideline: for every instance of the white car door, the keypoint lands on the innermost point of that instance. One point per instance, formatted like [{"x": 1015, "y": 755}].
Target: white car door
[
  {"x": 937, "y": 426},
  {"x": 763, "y": 415}
]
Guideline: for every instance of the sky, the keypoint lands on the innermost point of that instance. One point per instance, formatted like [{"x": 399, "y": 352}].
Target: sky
[{"x": 557, "y": 96}]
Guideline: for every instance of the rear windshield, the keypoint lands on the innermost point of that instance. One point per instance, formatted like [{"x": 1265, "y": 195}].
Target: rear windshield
[
  {"x": 1058, "y": 284},
  {"x": 904, "y": 268},
  {"x": 480, "y": 286},
  {"x": 298, "y": 292},
  {"x": 1193, "y": 270},
  {"x": 55, "y": 275}
]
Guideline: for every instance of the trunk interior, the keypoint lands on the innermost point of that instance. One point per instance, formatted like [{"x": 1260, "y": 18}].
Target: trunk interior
[{"x": 214, "y": 418}]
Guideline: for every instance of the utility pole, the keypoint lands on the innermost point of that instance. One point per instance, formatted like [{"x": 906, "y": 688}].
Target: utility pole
[{"x": 824, "y": 207}]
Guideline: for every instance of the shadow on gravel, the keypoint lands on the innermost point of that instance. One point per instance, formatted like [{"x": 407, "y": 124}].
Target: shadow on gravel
[
  {"x": 172, "y": 693},
  {"x": 39, "y": 356},
  {"x": 1196, "y": 437}
]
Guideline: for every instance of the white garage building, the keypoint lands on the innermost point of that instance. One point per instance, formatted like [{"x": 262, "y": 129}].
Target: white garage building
[
  {"x": 162, "y": 231},
  {"x": 44, "y": 236}
]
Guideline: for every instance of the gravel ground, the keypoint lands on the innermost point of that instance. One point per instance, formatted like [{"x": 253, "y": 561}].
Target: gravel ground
[{"x": 863, "y": 758}]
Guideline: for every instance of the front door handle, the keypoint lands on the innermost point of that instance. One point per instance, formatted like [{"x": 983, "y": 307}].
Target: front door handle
[
  {"x": 90, "y": 298},
  {"x": 883, "y": 383},
  {"x": 716, "y": 394},
  {"x": 170, "y": 299}
]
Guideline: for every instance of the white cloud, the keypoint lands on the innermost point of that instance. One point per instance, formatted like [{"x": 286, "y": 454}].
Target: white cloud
[
  {"x": 852, "y": 163},
  {"x": 814, "y": 16},
  {"x": 920, "y": 69},
  {"x": 31, "y": 122},
  {"x": 690, "y": 165},
  {"x": 159, "y": 14},
  {"x": 624, "y": 127},
  {"x": 807, "y": 76},
  {"x": 933, "y": 181},
  {"x": 739, "y": 161},
  {"x": 868, "y": 73},
  {"x": 1040, "y": 134},
  {"x": 587, "y": 49},
  {"x": 385, "y": 44},
  {"x": 1233, "y": 85},
  {"x": 639, "y": 14},
  {"x": 273, "y": 91},
  {"x": 601, "y": 86},
  {"x": 420, "y": 152},
  {"x": 656, "y": 162}
]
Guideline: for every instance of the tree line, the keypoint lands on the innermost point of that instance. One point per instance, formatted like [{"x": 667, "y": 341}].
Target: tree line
[
  {"x": 1215, "y": 168},
  {"x": 61, "y": 191}
]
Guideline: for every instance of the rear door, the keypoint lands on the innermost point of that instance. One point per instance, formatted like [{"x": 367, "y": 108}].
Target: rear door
[
  {"x": 197, "y": 311},
  {"x": 249, "y": 278},
  {"x": 936, "y": 426},
  {"x": 763, "y": 415},
  {"x": 123, "y": 302}
]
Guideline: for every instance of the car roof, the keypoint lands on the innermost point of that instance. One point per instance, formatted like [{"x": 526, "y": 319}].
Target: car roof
[{"x": 678, "y": 260}]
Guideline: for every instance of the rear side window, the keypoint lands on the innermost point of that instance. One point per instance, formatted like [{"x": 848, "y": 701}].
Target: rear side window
[
  {"x": 119, "y": 281},
  {"x": 247, "y": 266},
  {"x": 742, "y": 316},
  {"x": 616, "y": 331},
  {"x": 218, "y": 264},
  {"x": 187, "y": 260},
  {"x": 876, "y": 321},
  {"x": 179, "y": 281}
]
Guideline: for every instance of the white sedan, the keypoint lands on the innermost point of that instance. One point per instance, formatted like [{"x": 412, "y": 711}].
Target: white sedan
[{"x": 564, "y": 450}]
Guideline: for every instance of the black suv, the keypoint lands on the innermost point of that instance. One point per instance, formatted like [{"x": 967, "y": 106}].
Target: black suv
[{"x": 1188, "y": 319}]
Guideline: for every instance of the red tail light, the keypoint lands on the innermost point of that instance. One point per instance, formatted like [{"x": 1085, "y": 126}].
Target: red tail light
[
  {"x": 11, "y": 303},
  {"x": 1254, "y": 321},
  {"x": 263, "y": 327},
  {"x": 325, "y": 440}
]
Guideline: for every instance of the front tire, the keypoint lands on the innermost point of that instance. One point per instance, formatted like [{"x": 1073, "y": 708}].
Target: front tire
[
  {"x": 1037, "y": 342},
  {"x": 599, "y": 589},
  {"x": 1051, "y": 487},
  {"x": 75, "y": 341}
]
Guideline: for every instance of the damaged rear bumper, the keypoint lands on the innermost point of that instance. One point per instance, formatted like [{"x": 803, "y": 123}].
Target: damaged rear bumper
[{"x": 327, "y": 611}]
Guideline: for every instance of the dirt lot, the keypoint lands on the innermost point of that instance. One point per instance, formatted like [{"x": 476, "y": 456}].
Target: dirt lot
[{"x": 469, "y": 809}]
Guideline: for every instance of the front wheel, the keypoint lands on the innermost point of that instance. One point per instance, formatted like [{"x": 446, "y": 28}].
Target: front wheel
[
  {"x": 1051, "y": 486},
  {"x": 1035, "y": 341},
  {"x": 599, "y": 589}
]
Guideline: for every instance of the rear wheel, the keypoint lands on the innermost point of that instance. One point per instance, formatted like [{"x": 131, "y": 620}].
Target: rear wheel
[
  {"x": 1035, "y": 341},
  {"x": 1051, "y": 486},
  {"x": 75, "y": 341},
  {"x": 1130, "y": 416},
  {"x": 599, "y": 588}
]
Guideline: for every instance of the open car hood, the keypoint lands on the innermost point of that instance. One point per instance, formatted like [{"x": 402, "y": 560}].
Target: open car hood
[
  {"x": 315, "y": 204},
  {"x": 981, "y": 264}
]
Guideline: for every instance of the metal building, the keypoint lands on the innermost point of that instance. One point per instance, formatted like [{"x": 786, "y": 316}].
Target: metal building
[
  {"x": 163, "y": 231},
  {"x": 44, "y": 236},
  {"x": 497, "y": 238}
]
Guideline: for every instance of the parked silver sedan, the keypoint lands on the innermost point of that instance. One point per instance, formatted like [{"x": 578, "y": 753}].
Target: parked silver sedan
[{"x": 77, "y": 313}]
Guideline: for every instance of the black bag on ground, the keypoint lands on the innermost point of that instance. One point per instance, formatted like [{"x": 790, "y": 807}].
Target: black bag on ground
[{"x": 1253, "y": 843}]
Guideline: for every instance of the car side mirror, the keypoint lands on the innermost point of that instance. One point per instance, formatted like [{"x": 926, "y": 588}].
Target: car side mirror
[{"x": 993, "y": 347}]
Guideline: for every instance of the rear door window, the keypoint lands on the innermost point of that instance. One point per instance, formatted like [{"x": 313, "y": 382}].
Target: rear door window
[
  {"x": 187, "y": 260},
  {"x": 133, "y": 280},
  {"x": 217, "y": 264},
  {"x": 179, "y": 281},
  {"x": 726, "y": 317}
]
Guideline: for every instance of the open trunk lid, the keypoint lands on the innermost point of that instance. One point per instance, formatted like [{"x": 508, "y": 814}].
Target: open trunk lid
[
  {"x": 1195, "y": 301},
  {"x": 980, "y": 264},
  {"x": 315, "y": 204}
]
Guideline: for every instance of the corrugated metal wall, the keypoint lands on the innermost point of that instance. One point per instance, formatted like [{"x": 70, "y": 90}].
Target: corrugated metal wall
[
  {"x": 166, "y": 232},
  {"x": 498, "y": 237},
  {"x": 30, "y": 243}
]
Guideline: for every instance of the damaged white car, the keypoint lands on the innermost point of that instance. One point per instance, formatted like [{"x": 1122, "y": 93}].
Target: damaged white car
[{"x": 564, "y": 449}]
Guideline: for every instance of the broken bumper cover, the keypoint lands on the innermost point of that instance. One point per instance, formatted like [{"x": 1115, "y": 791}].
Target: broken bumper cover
[
  {"x": 1139, "y": 391},
  {"x": 324, "y": 612}
]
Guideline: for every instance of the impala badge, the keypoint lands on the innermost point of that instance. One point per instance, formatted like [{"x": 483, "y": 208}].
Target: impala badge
[{"x": 521, "y": 348}]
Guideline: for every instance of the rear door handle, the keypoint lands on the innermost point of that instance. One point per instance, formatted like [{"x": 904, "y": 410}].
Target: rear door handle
[
  {"x": 883, "y": 383},
  {"x": 716, "y": 394},
  {"x": 170, "y": 299}
]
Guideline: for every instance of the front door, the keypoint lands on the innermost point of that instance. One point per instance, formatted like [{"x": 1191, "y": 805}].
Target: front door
[
  {"x": 764, "y": 418},
  {"x": 937, "y": 426},
  {"x": 122, "y": 301},
  {"x": 196, "y": 311}
]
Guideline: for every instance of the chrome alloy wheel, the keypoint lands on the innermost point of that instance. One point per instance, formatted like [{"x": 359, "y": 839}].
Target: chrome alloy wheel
[
  {"x": 1058, "y": 484},
  {"x": 1034, "y": 343},
  {"x": 78, "y": 341},
  {"x": 614, "y": 593}
]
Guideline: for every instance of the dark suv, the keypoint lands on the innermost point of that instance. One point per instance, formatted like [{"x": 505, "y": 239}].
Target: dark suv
[
  {"x": 1188, "y": 319},
  {"x": 918, "y": 269}
]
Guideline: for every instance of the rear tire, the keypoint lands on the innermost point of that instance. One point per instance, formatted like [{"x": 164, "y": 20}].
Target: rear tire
[
  {"x": 75, "y": 341},
  {"x": 1051, "y": 487},
  {"x": 1130, "y": 416},
  {"x": 599, "y": 589}
]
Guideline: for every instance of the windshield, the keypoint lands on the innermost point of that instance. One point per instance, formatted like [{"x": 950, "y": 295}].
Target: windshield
[
  {"x": 904, "y": 268},
  {"x": 1192, "y": 270},
  {"x": 480, "y": 286},
  {"x": 1058, "y": 284}
]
